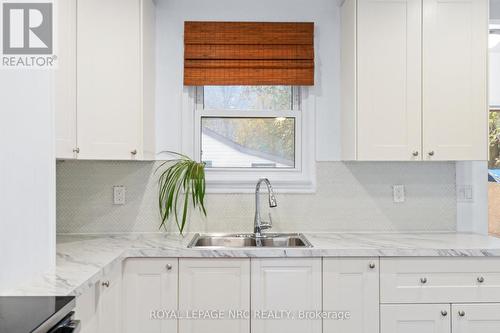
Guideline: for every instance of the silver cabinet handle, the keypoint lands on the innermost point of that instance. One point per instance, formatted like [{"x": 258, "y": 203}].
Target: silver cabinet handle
[
  {"x": 461, "y": 313},
  {"x": 423, "y": 280},
  {"x": 76, "y": 150},
  {"x": 415, "y": 153},
  {"x": 444, "y": 313},
  {"x": 480, "y": 279},
  {"x": 134, "y": 152},
  {"x": 371, "y": 265},
  {"x": 105, "y": 284},
  {"x": 169, "y": 267},
  {"x": 431, "y": 153}
]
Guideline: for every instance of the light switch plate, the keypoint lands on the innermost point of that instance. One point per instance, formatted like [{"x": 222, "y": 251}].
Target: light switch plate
[
  {"x": 119, "y": 195},
  {"x": 465, "y": 193},
  {"x": 398, "y": 193}
]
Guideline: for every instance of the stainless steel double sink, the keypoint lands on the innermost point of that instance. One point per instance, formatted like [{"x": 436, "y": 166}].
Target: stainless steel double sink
[{"x": 268, "y": 240}]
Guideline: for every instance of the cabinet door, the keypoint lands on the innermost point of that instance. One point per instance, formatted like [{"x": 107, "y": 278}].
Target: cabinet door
[
  {"x": 110, "y": 303},
  {"x": 86, "y": 309},
  {"x": 351, "y": 284},
  {"x": 415, "y": 318},
  {"x": 149, "y": 285},
  {"x": 455, "y": 57},
  {"x": 476, "y": 318},
  {"x": 285, "y": 285},
  {"x": 215, "y": 285},
  {"x": 109, "y": 79},
  {"x": 389, "y": 79},
  {"x": 65, "y": 80}
]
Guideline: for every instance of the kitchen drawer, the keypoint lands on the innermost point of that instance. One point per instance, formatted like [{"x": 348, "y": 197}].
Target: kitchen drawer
[{"x": 439, "y": 280}]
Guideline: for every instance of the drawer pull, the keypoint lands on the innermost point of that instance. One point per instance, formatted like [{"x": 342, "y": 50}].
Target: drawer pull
[
  {"x": 444, "y": 313},
  {"x": 423, "y": 280},
  {"x": 461, "y": 313},
  {"x": 106, "y": 284},
  {"x": 371, "y": 265},
  {"x": 480, "y": 279},
  {"x": 169, "y": 267}
]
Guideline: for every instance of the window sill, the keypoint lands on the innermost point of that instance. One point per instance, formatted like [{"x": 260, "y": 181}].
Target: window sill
[{"x": 293, "y": 181}]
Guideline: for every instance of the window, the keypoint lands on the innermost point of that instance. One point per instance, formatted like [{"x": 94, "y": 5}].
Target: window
[
  {"x": 494, "y": 115},
  {"x": 243, "y": 133},
  {"x": 248, "y": 126}
]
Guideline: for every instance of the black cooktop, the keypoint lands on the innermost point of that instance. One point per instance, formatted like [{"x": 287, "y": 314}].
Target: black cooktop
[{"x": 25, "y": 314}]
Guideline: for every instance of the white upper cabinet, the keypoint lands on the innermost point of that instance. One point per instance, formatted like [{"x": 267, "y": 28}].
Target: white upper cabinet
[
  {"x": 351, "y": 284},
  {"x": 110, "y": 53},
  {"x": 215, "y": 284},
  {"x": 414, "y": 80},
  {"x": 455, "y": 79},
  {"x": 389, "y": 79},
  {"x": 65, "y": 80},
  {"x": 291, "y": 284},
  {"x": 105, "y": 84}
]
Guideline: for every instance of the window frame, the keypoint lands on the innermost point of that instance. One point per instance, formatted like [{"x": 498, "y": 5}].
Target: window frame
[
  {"x": 294, "y": 113},
  {"x": 300, "y": 179}
]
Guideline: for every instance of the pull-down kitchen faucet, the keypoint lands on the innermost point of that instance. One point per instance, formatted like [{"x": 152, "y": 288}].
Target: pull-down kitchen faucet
[{"x": 260, "y": 225}]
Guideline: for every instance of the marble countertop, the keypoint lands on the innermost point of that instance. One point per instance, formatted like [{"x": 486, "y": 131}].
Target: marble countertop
[{"x": 82, "y": 260}]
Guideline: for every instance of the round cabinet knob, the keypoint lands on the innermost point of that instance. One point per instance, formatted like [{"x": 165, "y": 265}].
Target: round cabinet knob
[
  {"x": 415, "y": 153},
  {"x": 431, "y": 153},
  {"x": 371, "y": 265},
  {"x": 105, "y": 284},
  {"x": 134, "y": 152},
  {"x": 480, "y": 279},
  {"x": 423, "y": 280},
  {"x": 169, "y": 267},
  {"x": 444, "y": 313},
  {"x": 461, "y": 313}
]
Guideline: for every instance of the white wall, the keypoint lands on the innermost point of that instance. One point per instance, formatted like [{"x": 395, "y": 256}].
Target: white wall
[
  {"x": 495, "y": 77},
  {"x": 171, "y": 15},
  {"x": 473, "y": 216},
  {"x": 27, "y": 176},
  {"x": 495, "y": 9}
]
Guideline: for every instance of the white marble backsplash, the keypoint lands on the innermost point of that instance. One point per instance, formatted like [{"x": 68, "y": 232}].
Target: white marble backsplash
[{"x": 349, "y": 197}]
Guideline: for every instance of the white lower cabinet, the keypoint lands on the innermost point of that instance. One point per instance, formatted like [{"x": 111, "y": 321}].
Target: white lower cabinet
[
  {"x": 99, "y": 308},
  {"x": 292, "y": 295},
  {"x": 476, "y": 318},
  {"x": 415, "y": 318},
  {"x": 291, "y": 284},
  {"x": 215, "y": 285},
  {"x": 351, "y": 285},
  {"x": 150, "y": 287},
  {"x": 86, "y": 309},
  {"x": 109, "y": 307}
]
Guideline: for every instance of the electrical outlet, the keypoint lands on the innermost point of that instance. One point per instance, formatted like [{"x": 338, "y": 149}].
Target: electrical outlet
[
  {"x": 398, "y": 193},
  {"x": 119, "y": 195},
  {"x": 465, "y": 193}
]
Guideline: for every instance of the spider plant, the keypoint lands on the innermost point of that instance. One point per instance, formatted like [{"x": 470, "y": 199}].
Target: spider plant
[{"x": 182, "y": 181}]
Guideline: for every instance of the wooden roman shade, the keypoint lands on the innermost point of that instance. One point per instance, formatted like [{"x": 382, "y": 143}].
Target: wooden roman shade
[{"x": 248, "y": 53}]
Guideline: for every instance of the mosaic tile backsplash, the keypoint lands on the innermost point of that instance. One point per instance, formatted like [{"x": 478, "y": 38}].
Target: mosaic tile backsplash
[{"x": 349, "y": 197}]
